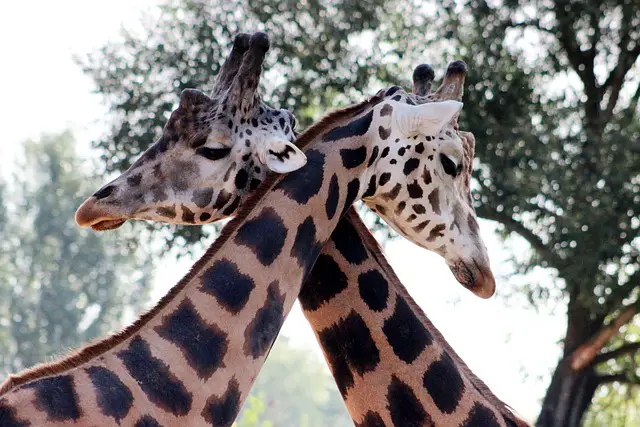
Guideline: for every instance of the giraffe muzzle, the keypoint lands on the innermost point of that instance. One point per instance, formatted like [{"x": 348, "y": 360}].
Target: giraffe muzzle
[
  {"x": 476, "y": 278},
  {"x": 89, "y": 214}
]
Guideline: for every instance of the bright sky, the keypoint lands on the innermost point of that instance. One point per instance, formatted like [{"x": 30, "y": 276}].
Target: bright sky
[{"x": 511, "y": 348}]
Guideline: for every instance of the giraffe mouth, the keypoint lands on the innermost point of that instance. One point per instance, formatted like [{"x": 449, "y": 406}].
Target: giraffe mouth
[
  {"x": 478, "y": 280},
  {"x": 110, "y": 224}
]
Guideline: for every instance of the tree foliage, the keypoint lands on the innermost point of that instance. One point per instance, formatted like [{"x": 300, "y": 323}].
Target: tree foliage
[
  {"x": 60, "y": 286},
  {"x": 552, "y": 98},
  {"x": 293, "y": 389}
]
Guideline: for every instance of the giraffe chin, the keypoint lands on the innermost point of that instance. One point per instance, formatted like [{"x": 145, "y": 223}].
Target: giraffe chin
[
  {"x": 110, "y": 224},
  {"x": 477, "y": 281}
]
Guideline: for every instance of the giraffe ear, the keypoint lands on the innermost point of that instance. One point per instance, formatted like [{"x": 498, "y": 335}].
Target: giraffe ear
[
  {"x": 282, "y": 156},
  {"x": 425, "y": 119}
]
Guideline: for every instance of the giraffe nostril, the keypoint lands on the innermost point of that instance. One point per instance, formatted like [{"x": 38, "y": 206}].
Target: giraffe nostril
[{"x": 104, "y": 192}]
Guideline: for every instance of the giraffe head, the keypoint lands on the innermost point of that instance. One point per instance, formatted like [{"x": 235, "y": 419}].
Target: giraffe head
[
  {"x": 214, "y": 149},
  {"x": 421, "y": 185}
]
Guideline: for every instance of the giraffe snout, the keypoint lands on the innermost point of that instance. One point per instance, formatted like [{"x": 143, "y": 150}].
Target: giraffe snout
[
  {"x": 478, "y": 278},
  {"x": 93, "y": 214}
]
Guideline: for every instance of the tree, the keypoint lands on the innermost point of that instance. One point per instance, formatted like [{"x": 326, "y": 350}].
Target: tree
[
  {"x": 554, "y": 99},
  {"x": 560, "y": 167},
  {"x": 61, "y": 286}
]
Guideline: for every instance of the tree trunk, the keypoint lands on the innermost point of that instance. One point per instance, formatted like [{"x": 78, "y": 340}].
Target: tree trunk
[{"x": 568, "y": 396}]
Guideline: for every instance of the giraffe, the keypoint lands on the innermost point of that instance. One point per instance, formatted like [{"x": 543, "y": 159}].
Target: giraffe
[
  {"x": 242, "y": 286},
  {"x": 362, "y": 288}
]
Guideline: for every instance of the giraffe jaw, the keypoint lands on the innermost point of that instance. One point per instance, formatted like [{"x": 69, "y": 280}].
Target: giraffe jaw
[{"x": 110, "y": 224}]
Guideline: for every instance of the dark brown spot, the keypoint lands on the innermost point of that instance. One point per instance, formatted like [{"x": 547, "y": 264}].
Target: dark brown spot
[
  {"x": 222, "y": 199},
  {"x": 331, "y": 204},
  {"x": 9, "y": 418},
  {"x": 404, "y": 406},
  {"x": 419, "y": 209},
  {"x": 263, "y": 329},
  {"x": 358, "y": 354},
  {"x": 325, "y": 281},
  {"x": 203, "y": 346},
  {"x": 410, "y": 165},
  {"x": 305, "y": 247},
  {"x": 352, "y": 158},
  {"x": 264, "y": 234},
  {"x": 426, "y": 176},
  {"x": 188, "y": 216},
  {"x": 384, "y": 132},
  {"x": 134, "y": 180},
  {"x": 357, "y": 127},
  {"x": 158, "y": 194},
  {"x": 414, "y": 189},
  {"x": 113, "y": 397},
  {"x": 473, "y": 224},
  {"x": 386, "y": 110},
  {"x": 418, "y": 228},
  {"x": 444, "y": 384},
  {"x": 57, "y": 397},
  {"x": 392, "y": 194},
  {"x": 384, "y": 178},
  {"x": 154, "y": 378},
  {"x": 436, "y": 232},
  {"x": 167, "y": 211},
  {"x": 228, "y": 285},
  {"x": 434, "y": 199},
  {"x": 222, "y": 411}
]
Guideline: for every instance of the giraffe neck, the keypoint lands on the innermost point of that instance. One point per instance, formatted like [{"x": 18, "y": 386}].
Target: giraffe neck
[
  {"x": 193, "y": 358},
  {"x": 391, "y": 364}
]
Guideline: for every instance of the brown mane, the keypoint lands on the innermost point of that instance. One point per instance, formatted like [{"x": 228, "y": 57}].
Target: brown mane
[
  {"x": 333, "y": 117},
  {"x": 372, "y": 244},
  {"x": 99, "y": 347}
]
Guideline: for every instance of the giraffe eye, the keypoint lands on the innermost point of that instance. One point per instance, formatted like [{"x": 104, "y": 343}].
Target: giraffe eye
[
  {"x": 449, "y": 166},
  {"x": 213, "y": 153}
]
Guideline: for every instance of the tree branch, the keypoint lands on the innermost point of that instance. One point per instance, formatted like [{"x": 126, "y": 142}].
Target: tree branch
[
  {"x": 619, "y": 378},
  {"x": 584, "y": 355},
  {"x": 517, "y": 227},
  {"x": 636, "y": 96},
  {"x": 582, "y": 62},
  {"x": 531, "y": 23},
  {"x": 626, "y": 59},
  {"x": 620, "y": 351}
]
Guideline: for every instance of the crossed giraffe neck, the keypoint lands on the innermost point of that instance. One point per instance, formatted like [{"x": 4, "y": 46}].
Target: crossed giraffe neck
[{"x": 192, "y": 359}]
